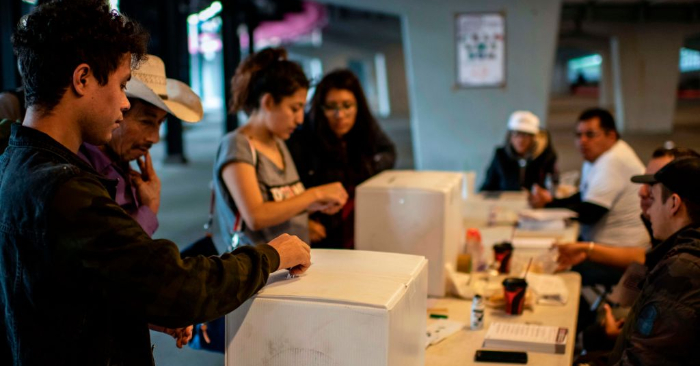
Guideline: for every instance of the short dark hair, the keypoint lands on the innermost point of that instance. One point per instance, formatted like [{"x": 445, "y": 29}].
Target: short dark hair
[
  {"x": 675, "y": 153},
  {"x": 693, "y": 208},
  {"x": 267, "y": 71},
  {"x": 59, "y": 35},
  {"x": 607, "y": 122}
]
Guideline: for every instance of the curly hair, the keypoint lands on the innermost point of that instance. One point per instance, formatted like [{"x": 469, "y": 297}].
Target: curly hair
[
  {"x": 267, "y": 71},
  {"x": 57, "y": 36}
]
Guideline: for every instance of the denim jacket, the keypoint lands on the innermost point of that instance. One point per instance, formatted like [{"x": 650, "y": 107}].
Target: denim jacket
[{"x": 80, "y": 280}]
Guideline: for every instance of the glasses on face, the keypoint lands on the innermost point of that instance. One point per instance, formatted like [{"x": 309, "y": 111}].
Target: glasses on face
[
  {"x": 588, "y": 134},
  {"x": 337, "y": 108}
]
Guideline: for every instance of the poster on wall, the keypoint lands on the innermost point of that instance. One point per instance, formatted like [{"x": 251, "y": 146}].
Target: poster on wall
[{"x": 481, "y": 51}]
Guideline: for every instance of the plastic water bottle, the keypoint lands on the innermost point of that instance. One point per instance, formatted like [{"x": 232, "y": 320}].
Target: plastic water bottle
[
  {"x": 475, "y": 249},
  {"x": 477, "y": 321}
]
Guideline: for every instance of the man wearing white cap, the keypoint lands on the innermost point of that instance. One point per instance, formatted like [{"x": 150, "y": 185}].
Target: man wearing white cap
[
  {"x": 152, "y": 97},
  {"x": 526, "y": 159}
]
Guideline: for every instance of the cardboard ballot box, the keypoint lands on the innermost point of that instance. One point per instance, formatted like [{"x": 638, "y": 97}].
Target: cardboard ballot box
[
  {"x": 412, "y": 212},
  {"x": 350, "y": 308}
]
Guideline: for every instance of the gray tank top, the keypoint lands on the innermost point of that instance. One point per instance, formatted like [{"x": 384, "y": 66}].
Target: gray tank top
[{"x": 275, "y": 185}]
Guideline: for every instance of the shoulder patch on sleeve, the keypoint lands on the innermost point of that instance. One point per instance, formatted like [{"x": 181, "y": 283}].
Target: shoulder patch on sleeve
[{"x": 646, "y": 319}]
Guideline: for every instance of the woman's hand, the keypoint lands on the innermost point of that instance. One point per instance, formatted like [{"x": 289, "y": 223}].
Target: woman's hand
[
  {"x": 317, "y": 231},
  {"x": 539, "y": 197},
  {"x": 328, "y": 198}
]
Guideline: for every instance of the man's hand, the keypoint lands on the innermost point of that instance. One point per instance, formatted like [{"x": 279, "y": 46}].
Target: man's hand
[
  {"x": 182, "y": 335},
  {"x": 571, "y": 254},
  {"x": 317, "y": 231},
  {"x": 612, "y": 327},
  {"x": 539, "y": 197},
  {"x": 294, "y": 253},
  {"x": 147, "y": 183}
]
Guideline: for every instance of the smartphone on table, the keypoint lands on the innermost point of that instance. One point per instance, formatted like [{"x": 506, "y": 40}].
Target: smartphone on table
[{"x": 500, "y": 356}]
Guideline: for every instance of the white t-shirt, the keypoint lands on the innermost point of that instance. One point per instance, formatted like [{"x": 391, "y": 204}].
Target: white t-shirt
[{"x": 606, "y": 182}]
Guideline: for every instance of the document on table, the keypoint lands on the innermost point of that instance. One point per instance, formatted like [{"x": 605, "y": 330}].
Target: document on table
[
  {"x": 441, "y": 329},
  {"x": 547, "y": 214},
  {"x": 550, "y": 289},
  {"x": 526, "y": 337},
  {"x": 533, "y": 243}
]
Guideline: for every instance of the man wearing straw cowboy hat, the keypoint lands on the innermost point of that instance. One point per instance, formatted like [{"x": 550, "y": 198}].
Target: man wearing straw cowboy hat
[{"x": 152, "y": 97}]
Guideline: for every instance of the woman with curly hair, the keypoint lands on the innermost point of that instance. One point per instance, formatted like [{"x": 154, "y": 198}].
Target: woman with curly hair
[
  {"x": 342, "y": 142},
  {"x": 257, "y": 188}
]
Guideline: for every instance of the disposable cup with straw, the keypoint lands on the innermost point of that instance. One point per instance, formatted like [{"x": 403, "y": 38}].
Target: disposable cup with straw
[{"x": 514, "y": 289}]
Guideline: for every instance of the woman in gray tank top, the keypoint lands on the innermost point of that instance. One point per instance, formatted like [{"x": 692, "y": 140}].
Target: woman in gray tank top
[{"x": 258, "y": 195}]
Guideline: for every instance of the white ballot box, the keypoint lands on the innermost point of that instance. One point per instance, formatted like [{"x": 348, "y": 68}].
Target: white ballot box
[
  {"x": 412, "y": 212},
  {"x": 350, "y": 308}
]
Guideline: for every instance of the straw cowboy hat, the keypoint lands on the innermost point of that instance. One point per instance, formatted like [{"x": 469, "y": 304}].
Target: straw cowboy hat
[{"x": 149, "y": 84}]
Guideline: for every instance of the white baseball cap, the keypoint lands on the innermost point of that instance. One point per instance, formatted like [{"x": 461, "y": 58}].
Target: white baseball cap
[
  {"x": 149, "y": 84},
  {"x": 524, "y": 121}
]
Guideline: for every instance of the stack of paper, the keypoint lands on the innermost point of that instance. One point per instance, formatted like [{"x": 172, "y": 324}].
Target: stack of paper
[
  {"x": 526, "y": 337},
  {"x": 544, "y": 219},
  {"x": 533, "y": 243}
]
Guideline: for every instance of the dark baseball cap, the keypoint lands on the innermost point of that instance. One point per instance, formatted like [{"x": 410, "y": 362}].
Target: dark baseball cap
[{"x": 681, "y": 176}]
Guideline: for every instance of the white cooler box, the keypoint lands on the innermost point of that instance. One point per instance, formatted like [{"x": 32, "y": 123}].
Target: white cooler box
[
  {"x": 412, "y": 212},
  {"x": 350, "y": 308}
]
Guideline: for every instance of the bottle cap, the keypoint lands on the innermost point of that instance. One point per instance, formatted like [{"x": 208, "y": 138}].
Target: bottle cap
[{"x": 473, "y": 233}]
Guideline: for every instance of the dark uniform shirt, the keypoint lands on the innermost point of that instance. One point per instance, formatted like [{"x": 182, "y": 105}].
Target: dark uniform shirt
[{"x": 663, "y": 327}]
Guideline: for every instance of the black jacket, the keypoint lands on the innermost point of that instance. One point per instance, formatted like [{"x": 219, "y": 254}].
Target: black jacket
[
  {"x": 326, "y": 160},
  {"x": 506, "y": 173},
  {"x": 662, "y": 327},
  {"x": 80, "y": 280}
]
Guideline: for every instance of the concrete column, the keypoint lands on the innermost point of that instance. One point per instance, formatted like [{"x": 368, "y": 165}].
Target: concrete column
[
  {"x": 645, "y": 72},
  {"x": 560, "y": 82},
  {"x": 606, "y": 98}
]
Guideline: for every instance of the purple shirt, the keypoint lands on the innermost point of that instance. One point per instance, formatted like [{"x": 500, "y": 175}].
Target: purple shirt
[{"x": 126, "y": 192}]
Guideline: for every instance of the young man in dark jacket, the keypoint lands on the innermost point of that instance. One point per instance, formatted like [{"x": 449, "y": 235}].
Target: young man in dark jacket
[
  {"x": 79, "y": 279},
  {"x": 662, "y": 327}
]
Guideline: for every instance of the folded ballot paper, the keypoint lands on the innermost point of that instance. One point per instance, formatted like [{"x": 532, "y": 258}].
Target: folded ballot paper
[
  {"x": 441, "y": 329},
  {"x": 349, "y": 308}
]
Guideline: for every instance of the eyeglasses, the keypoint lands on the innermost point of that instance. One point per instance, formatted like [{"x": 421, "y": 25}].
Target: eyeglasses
[
  {"x": 588, "y": 134},
  {"x": 338, "y": 107}
]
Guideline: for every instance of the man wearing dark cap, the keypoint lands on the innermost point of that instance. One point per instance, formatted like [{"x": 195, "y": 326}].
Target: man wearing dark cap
[{"x": 662, "y": 327}]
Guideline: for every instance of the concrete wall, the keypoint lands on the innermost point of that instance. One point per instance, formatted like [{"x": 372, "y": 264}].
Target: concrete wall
[
  {"x": 339, "y": 47},
  {"x": 348, "y": 39},
  {"x": 457, "y": 129}
]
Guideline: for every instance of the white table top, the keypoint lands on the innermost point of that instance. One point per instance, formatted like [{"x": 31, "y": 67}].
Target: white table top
[{"x": 459, "y": 349}]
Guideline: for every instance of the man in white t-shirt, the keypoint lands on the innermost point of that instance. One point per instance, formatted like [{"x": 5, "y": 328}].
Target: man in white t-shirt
[{"x": 607, "y": 204}]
